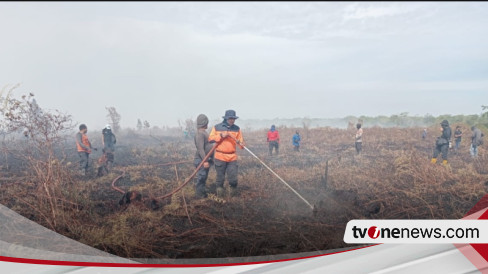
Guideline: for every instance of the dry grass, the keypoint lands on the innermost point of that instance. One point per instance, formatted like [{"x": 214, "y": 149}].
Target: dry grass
[{"x": 392, "y": 178}]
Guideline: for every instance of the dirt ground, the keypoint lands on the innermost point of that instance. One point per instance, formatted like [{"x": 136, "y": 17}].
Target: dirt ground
[{"x": 391, "y": 179}]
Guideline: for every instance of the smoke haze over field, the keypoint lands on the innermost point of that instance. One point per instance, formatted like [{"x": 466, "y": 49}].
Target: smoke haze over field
[{"x": 162, "y": 62}]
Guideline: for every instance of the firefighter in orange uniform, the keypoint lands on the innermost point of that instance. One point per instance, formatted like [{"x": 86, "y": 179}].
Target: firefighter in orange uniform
[{"x": 225, "y": 158}]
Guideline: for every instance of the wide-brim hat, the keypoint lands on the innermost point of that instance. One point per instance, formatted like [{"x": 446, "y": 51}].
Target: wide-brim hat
[{"x": 230, "y": 114}]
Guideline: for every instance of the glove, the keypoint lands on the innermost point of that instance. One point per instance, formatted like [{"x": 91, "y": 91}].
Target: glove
[{"x": 240, "y": 145}]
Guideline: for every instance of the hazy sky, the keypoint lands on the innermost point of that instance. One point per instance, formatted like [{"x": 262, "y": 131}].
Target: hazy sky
[{"x": 167, "y": 61}]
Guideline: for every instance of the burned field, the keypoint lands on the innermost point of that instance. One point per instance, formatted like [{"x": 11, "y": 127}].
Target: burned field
[{"x": 392, "y": 179}]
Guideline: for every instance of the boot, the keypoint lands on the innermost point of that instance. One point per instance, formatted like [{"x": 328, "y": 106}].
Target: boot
[
  {"x": 220, "y": 192},
  {"x": 201, "y": 193},
  {"x": 434, "y": 160},
  {"x": 234, "y": 192},
  {"x": 444, "y": 162}
]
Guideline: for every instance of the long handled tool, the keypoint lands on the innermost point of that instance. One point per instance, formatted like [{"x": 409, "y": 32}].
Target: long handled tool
[{"x": 274, "y": 173}]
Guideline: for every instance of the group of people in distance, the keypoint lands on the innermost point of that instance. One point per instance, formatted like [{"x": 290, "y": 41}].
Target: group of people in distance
[
  {"x": 273, "y": 140},
  {"x": 443, "y": 142}
]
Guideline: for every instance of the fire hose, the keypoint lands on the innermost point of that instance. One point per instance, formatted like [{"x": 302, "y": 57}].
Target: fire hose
[{"x": 115, "y": 180}]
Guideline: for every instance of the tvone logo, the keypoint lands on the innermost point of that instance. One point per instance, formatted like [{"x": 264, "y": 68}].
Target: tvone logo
[{"x": 373, "y": 232}]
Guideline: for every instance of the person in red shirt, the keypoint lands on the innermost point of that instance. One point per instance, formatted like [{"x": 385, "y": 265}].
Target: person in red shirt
[{"x": 273, "y": 140}]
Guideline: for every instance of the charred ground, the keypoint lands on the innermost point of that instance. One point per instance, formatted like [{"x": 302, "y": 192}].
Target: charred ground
[{"x": 391, "y": 179}]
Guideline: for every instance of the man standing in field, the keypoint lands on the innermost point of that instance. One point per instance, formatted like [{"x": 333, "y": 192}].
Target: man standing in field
[
  {"x": 296, "y": 141},
  {"x": 273, "y": 140},
  {"x": 108, "y": 142},
  {"x": 84, "y": 148},
  {"x": 458, "y": 134},
  {"x": 476, "y": 140},
  {"x": 442, "y": 143},
  {"x": 203, "y": 148},
  {"x": 359, "y": 138},
  {"x": 229, "y": 135}
]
